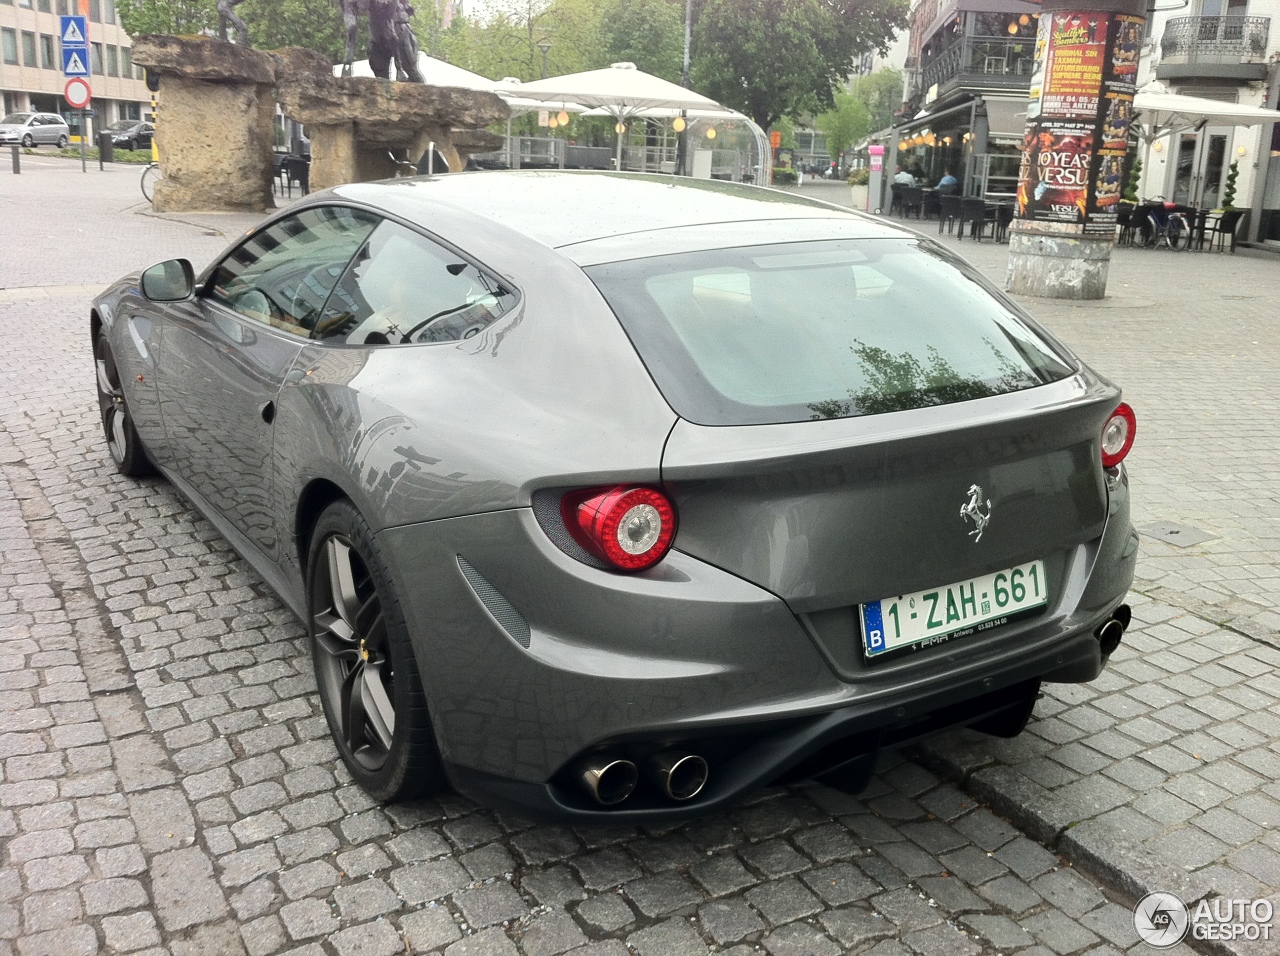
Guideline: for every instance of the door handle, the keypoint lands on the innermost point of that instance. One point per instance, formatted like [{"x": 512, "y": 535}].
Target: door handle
[{"x": 268, "y": 412}]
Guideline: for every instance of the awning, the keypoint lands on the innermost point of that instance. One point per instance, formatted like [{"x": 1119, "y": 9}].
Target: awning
[{"x": 1161, "y": 112}]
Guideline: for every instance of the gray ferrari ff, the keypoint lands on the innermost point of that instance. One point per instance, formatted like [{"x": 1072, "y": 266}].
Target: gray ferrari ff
[{"x": 613, "y": 497}]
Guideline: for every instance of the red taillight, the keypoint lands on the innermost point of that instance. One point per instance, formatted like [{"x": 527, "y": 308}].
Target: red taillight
[
  {"x": 1117, "y": 435},
  {"x": 628, "y": 526}
]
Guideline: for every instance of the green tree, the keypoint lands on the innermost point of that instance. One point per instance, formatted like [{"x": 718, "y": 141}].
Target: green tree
[
  {"x": 315, "y": 24},
  {"x": 648, "y": 33},
  {"x": 507, "y": 43},
  {"x": 167, "y": 16},
  {"x": 844, "y": 125},
  {"x": 770, "y": 58},
  {"x": 881, "y": 94}
]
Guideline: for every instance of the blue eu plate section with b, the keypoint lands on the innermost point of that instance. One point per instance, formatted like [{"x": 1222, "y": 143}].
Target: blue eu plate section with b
[{"x": 73, "y": 34}]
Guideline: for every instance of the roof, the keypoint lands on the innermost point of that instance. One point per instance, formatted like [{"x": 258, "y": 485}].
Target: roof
[{"x": 563, "y": 208}]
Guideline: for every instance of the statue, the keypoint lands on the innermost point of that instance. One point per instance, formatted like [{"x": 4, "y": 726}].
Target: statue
[
  {"x": 390, "y": 37},
  {"x": 227, "y": 14}
]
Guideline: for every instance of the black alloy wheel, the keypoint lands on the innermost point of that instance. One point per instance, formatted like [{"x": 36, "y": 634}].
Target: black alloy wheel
[
  {"x": 126, "y": 447},
  {"x": 366, "y": 672},
  {"x": 63, "y": 142}
]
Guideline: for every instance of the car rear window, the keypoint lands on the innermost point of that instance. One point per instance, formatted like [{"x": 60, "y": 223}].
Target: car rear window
[{"x": 815, "y": 330}]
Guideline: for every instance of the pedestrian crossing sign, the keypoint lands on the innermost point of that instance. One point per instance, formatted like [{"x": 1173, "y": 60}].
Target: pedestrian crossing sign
[
  {"x": 73, "y": 30},
  {"x": 74, "y": 62}
]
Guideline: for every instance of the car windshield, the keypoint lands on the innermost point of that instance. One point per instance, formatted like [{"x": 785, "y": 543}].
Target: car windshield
[
  {"x": 815, "y": 330},
  {"x": 123, "y": 124},
  {"x": 15, "y": 119}
]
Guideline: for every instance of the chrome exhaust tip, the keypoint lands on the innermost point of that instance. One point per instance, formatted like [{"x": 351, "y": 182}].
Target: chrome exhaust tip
[
  {"x": 1109, "y": 637},
  {"x": 681, "y": 776},
  {"x": 609, "y": 780},
  {"x": 1111, "y": 631}
]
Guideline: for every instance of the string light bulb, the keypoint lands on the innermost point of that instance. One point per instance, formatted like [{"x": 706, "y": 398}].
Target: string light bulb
[
  {"x": 678, "y": 124},
  {"x": 563, "y": 117},
  {"x": 711, "y": 132}
]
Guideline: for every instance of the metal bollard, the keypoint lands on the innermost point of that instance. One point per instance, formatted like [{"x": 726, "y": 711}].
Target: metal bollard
[{"x": 17, "y": 160}]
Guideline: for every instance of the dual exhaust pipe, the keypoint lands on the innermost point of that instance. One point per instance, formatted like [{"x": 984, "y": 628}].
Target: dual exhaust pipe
[
  {"x": 610, "y": 780},
  {"x": 1113, "y": 629}
]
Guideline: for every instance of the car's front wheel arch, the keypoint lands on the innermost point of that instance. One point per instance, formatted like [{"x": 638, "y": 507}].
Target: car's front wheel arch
[{"x": 366, "y": 669}]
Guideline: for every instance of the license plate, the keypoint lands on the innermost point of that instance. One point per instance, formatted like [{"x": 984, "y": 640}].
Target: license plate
[{"x": 925, "y": 618}]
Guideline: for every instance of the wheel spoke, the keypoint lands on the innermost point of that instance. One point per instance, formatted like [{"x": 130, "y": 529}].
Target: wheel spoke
[
  {"x": 104, "y": 380},
  {"x": 368, "y": 613},
  {"x": 376, "y": 634},
  {"x": 342, "y": 585},
  {"x": 332, "y": 640},
  {"x": 117, "y": 428},
  {"x": 353, "y": 705},
  {"x": 379, "y": 711}
]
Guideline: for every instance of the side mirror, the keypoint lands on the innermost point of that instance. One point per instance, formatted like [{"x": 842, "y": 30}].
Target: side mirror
[{"x": 170, "y": 281}]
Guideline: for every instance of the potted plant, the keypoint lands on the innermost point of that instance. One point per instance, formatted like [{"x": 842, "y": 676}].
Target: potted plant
[{"x": 858, "y": 185}]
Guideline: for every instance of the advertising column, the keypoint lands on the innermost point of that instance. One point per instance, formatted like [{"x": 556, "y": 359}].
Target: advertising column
[{"x": 1073, "y": 151}]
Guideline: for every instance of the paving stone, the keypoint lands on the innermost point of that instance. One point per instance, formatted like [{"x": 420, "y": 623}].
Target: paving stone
[
  {"x": 429, "y": 928},
  {"x": 491, "y": 903},
  {"x": 800, "y": 939},
  {"x": 728, "y": 921},
  {"x": 371, "y": 939},
  {"x": 551, "y": 934},
  {"x": 783, "y": 901},
  {"x": 307, "y": 918},
  {"x": 423, "y": 882},
  {"x": 999, "y": 931},
  {"x": 127, "y": 934},
  {"x": 184, "y": 890},
  {"x": 673, "y": 937},
  {"x": 489, "y": 942},
  {"x": 840, "y": 883}
]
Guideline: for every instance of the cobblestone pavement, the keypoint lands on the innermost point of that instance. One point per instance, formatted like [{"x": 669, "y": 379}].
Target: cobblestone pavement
[{"x": 168, "y": 786}]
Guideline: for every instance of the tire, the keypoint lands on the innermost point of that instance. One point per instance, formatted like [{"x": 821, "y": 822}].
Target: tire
[
  {"x": 126, "y": 448},
  {"x": 63, "y": 142},
  {"x": 133, "y": 145},
  {"x": 27, "y": 141},
  {"x": 366, "y": 671},
  {"x": 150, "y": 176}
]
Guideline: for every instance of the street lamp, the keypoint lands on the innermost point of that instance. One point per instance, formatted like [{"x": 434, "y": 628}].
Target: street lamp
[{"x": 544, "y": 46}]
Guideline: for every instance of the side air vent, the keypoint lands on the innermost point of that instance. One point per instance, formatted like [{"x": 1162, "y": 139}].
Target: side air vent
[{"x": 503, "y": 611}]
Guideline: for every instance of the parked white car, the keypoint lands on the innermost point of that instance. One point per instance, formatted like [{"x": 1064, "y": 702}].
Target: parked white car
[{"x": 31, "y": 129}]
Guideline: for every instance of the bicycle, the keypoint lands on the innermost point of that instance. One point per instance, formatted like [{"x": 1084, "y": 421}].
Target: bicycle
[{"x": 150, "y": 176}]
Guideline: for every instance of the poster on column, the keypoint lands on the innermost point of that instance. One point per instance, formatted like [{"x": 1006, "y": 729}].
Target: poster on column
[{"x": 1080, "y": 111}]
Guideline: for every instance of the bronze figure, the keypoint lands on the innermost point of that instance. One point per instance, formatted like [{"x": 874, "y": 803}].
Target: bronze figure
[
  {"x": 390, "y": 37},
  {"x": 227, "y": 14}
]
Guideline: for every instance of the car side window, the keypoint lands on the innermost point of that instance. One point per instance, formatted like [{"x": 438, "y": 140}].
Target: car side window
[
  {"x": 402, "y": 288},
  {"x": 282, "y": 274}
]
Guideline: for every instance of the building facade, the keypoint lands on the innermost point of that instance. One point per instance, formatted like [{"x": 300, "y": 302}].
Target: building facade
[
  {"x": 1224, "y": 50},
  {"x": 31, "y": 62},
  {"x": 967, "y": 78}
]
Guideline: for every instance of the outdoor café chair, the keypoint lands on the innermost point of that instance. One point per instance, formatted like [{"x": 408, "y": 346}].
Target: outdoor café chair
[
  {"x": 912, "y": 198},
  {"x": 973, "y": 211},
  {"x": 948, "y": 212},
  {"x": 1226, "y": 226}
]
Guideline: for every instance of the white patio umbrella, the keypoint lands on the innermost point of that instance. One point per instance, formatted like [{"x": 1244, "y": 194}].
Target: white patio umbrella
[
  {"x": 1161, "y": 113},
  {"x": 621, "y": 90},
  {"x": 720, "y": 113}
]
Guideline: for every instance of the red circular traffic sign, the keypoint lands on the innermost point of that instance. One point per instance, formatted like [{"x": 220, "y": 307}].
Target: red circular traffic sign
[{"x": 77, "y": 93}]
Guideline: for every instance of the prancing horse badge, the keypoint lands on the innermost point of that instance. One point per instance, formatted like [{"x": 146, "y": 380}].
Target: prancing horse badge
[{"x": 972, "y": 509}]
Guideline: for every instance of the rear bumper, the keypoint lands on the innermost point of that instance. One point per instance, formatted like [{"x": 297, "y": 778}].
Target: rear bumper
[
  {"x": 838, "y": 747},
  {"x": 688, "y": 656}
]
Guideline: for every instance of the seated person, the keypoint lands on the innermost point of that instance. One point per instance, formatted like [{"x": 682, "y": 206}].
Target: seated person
[
  {"x": 948, "y": 184},
  {"x": 904, "y": 178}
]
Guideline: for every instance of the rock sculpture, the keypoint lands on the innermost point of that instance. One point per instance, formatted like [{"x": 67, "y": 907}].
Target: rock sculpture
[{"x": 390, "y": 37}]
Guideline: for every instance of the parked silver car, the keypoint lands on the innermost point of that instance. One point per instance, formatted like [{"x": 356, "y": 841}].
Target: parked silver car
[
  {"x": 614, "y": 497},
  {"x": 33, "y": 129}
]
